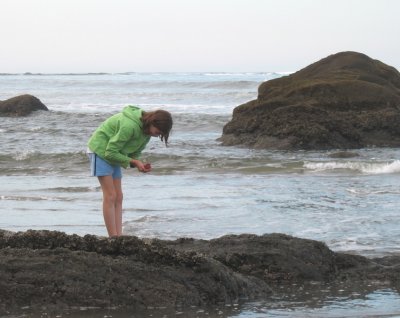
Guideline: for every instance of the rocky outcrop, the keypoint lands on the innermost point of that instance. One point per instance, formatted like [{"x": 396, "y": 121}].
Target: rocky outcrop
[
  {"x": 43, "y": 269},
  {"x": 21, "y": 105},
  {"x": 280, "y": 259},
  {"x": 55, "y": 270},
  {"x": 346, "y": 100},
  {"x": 274, "y": 258}
]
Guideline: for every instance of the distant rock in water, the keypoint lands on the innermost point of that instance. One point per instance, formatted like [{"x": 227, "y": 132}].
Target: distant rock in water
[
  {"x": 21, "y": 105},
  {"x": 344, "y": 101},
  {"x": 343, "y": 154}
]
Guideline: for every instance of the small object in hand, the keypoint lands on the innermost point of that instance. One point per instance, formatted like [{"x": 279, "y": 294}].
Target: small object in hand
[{"x": 147, "y": 166}]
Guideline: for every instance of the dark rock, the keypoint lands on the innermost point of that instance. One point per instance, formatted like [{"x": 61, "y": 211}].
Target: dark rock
[
  {"x": 21, "y": 105},
  {"x": 271, "y": 257},
  {"x": 343, "y": 154},
  {"x": 43, "y": 269},
  {"x": 344, "y": 101},
  {"x": 51, "y": 270}
]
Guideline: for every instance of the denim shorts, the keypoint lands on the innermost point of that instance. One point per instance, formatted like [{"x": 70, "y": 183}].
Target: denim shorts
[{"x": 100, "y": 168}]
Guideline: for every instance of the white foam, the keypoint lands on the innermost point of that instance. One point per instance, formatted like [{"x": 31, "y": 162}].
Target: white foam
[
  {"x": 393, "y": 167},
  {"x": 369, "y": 192},
  {"x": 23, "y": 155},
  {"x": 363, "y": 167}
]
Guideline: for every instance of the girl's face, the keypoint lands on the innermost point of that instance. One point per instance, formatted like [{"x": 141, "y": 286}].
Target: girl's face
[{"x": 154, "y": 131}]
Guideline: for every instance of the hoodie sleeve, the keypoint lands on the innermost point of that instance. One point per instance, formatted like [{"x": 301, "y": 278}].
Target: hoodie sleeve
[
  {"x": 116, "y": 143},
  {"x": 137, "y": 153}
]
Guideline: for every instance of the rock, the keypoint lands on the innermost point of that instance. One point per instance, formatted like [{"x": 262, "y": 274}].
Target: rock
[
  {"x": 272, "y": 257},
  {"x": 47, "y": 270},
  {"x": 21, "y": 105},
  {"x": 343, "y": 154},
  {"x": 43, "y": 269},
  {"x": 344, "y": 101},
  {"x": 279, "y": 259}
]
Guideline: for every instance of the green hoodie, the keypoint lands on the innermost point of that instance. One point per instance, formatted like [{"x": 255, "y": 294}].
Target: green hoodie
[{"x": 120, "y": 138}]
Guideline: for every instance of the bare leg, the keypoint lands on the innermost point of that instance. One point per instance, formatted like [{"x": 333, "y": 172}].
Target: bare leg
[
  {"x": 109, "y": 202},
  {"x": 118, "y": 206}
]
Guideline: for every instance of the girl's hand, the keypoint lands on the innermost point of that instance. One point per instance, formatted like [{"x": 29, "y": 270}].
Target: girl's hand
[{"x": 142, "y": 167}]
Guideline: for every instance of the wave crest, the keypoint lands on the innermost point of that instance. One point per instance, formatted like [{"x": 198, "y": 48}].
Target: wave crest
[{"x": 363, "y": 167}]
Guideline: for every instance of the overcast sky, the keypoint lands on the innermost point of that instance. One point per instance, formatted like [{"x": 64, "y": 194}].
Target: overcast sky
[{"x": 52, "y": 36}]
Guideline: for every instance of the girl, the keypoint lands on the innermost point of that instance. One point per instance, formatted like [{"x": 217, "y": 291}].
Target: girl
[{"x": 118, "y": 142}]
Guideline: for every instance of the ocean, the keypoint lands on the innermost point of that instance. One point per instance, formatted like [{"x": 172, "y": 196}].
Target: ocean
[{"x": 197, "y": 188}]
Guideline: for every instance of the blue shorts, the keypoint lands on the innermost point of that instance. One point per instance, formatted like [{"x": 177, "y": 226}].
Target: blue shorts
[{"x": 100, "y": 168}]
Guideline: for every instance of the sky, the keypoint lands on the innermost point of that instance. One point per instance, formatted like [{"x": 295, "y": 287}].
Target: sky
[{"x": 80, "y": 36}]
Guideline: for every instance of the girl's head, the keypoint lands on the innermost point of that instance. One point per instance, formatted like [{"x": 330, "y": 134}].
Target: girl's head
[{"x": 157, "y": 124}]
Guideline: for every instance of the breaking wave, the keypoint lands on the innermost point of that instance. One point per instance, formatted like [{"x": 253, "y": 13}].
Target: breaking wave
[{"x": 363, "y": 167}]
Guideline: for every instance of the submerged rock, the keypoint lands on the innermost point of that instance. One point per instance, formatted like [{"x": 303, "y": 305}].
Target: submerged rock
[
  {"x": 343, "y": 154},
  {"x": 52, "y": 270},
  {"x": 346, "y": 100},
  {"x": 21, "y": 105}
]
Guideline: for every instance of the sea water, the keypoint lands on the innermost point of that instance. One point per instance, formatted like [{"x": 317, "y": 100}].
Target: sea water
[{"x": 197, "y": 188}]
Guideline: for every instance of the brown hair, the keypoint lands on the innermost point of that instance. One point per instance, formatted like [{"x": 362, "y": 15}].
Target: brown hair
[{"x": 161, "y": 119}]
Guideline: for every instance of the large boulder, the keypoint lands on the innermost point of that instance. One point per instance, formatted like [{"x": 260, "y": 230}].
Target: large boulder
[
  {"x": 280, "y": 259},
  {"x": 46, "y": 270},
  {"x": 42, "y": 269},
  {"x": 346, "y": 100},
  {"x": 21, "y": 105},
  {"x": 270, "y": 257}
]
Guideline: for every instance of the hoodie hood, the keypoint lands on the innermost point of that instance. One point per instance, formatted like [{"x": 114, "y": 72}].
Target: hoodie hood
[{"x": 134, "y": 113}]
